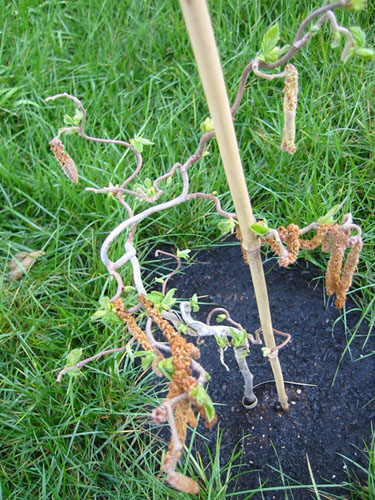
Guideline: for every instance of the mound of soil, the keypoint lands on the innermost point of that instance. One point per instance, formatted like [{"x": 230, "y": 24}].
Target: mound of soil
[{"x": 329, "y": 419}]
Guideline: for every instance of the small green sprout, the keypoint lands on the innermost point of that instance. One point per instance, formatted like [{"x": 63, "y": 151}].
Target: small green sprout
[
  {"x": 183, "y": 254},
  {"x": 328, "y": 217},
  {"x": 161, "y": 301},
  {"x": 221, "y": 341},
  {"x": 365, "y": 53},
  {"x": 75, "y": 120},
  {"x": 266, "y": 351},
  {"x": 166, "y": 367},
  {"x": 221, "y": 317},
  {"x": 260, "y": 229},
  {"x": 227, "y": 226},
  {"x": 207, "y": 125},
  {"x": 238, "y": 337},
  {"x": 183, "y": 328},
  {"x": 73, "y": 358},
  {"x": 147, "y": 357},
  {"x": 359, "y": 36},
  {"x": 336, "y": 40},
  {"x": 194, "y": 303},
  {"x": 356, "y": 4},
  {"x": 147, "y": 189},
  {"x": 138, "y": 143},
  {"x": 314, "y": 29},
  {"x": 106, "y": 312},
  {"x": 270, "y": 51},
  {"x": 360, "y": 49}
]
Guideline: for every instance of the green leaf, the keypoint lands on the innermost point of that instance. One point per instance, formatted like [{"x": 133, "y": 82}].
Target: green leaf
[
  {"x": 336, "y": 40},
  {"x": 328, "y": 217},
  {"x": 99, "y": 314},
  {"x": 77, "y": 117},
  {"x": 283, "y": 50},
  {"x": 359, "y": 36},
  {"x": 207, "y": 125},
  {"x": 260, "y": 229},
  {"x": 314, "y": 29},
  {"x": 274, "y": 54},
  {"x": 144, "y": 141},
  {"x": 169, "y": 300},
  {"x": 183, "y": 328},
  {"x": 68, "y": 120},
  {"x": 194, "y": 303},
  {"x": 356, "y": 4},
  {"x": 147, "y": 359},
  {"x": 227, "y": 226},
  {"x": 221, "y": 317},
  {"x": 166, "y": 367},
  {"x": 156, "y": 298},
  {"x": 221, "y": 341},
  {"x": 183, "y": 254},
  {"x": 106, "y": 310},
  {"x": 270, "y": 39},
  {"x": 238, "y": 337},
  {"x": 202, "y": 398},
  {"x": 74, "y": 356},
  {"x": 137, "y": 145},
  {"x": 365, "y": 53}
]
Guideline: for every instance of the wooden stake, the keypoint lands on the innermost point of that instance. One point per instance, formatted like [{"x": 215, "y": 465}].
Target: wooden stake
[{"x": 202, "y": 38}]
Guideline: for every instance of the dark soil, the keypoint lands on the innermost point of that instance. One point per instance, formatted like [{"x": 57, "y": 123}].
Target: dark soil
[{"x": 326, "y": 421}]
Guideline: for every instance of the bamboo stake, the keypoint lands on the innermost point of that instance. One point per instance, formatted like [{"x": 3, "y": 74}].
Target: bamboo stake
[{"x": 202, "y": 38}]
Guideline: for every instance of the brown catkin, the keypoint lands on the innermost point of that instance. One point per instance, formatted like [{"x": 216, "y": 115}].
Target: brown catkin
[
  {"x": 183, "y": 483},
  {"x": 329, "y": 238},
  {"x": 290, "y": 109},
  {"x": 316, "y": 240},
  {"x": 340, "y": 239},
  {"x": 182, "y": 352},
  {"x": 347, "y": 274},
  {"x": 182, "y": 379},
  {"x": 293, "y": 242},
  {"x": 274, "y": 245},
  {"x": 137, "y": 332},
  {"x": 65, "y": 161},
  {"x": 332, "y": 239}
]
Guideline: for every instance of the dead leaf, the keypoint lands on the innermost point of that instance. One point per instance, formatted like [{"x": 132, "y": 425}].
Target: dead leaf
[{"x": 22, "y": 262}]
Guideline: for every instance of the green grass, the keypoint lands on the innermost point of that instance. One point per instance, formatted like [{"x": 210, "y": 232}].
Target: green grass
[{"x": 133, "y": 69}]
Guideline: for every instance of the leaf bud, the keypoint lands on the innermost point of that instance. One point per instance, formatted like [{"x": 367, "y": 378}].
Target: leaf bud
[
  {"x": 356, "y": 4},
  {"x": 365, "y": 53}
]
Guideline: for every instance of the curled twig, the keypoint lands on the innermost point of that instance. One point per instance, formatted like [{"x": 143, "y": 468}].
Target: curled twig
[{"x": 178, "y": 267}]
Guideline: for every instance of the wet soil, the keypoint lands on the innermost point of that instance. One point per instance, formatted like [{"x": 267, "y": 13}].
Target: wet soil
[{"x": 328, "y": 420}]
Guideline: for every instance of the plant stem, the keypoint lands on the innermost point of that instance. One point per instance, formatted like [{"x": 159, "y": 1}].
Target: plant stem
[
  {"x": 240, "y": 355},
  {"x": 202, "y": 38}
]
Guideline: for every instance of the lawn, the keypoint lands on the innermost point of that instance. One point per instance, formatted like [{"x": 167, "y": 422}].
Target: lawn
[{"x": 132, "y": 67}]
